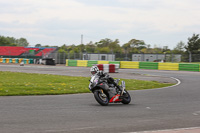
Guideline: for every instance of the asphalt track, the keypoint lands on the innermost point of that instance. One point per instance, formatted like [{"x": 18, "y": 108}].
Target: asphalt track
[{"x": 176, "y": 107}]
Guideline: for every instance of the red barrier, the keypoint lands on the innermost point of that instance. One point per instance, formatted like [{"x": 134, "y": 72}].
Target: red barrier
[
  {"x": 111, "y": 68},
  {"x": 100, "y": 66}
]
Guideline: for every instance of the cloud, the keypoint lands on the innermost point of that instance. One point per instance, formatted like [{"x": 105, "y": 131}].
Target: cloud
[
  {"x": 163, "y": 15},
  {"x": 98, "y": 18}
]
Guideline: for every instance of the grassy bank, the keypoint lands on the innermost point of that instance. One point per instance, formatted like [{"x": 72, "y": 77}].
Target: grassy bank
[{"x": 14, "y": 83}]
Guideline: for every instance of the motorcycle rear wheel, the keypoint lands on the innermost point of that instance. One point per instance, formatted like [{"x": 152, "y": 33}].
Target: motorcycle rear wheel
[
  {"x": 101, "y": 99},
  {"x": 127, "y": 98}
]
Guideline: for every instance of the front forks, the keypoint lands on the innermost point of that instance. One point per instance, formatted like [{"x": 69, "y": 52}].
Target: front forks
[{"x": 103, "y": 94}]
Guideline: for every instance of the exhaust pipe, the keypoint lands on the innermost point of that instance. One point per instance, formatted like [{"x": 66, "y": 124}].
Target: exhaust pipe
[{"x": 123, "y": 87}]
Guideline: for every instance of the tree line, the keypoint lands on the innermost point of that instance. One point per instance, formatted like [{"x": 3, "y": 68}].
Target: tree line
[
  {"x": 113, "y": 46},
  {"x": 11, "y": 41},
  {"x": 133, "y": 46}
]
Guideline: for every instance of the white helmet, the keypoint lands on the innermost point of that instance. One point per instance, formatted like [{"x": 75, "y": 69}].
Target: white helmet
[{"x": 94, "y": 70}]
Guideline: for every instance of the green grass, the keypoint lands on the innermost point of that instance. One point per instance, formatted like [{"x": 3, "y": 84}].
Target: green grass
[{"x": 14, "y": 83}]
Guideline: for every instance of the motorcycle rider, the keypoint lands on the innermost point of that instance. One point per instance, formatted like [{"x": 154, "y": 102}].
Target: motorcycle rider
[{"x": 95, "y": 70}]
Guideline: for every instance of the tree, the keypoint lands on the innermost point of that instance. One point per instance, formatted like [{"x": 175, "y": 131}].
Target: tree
[
  {"x": 81, "y": 47},
  {"x": 62, "y": 49},
  {"x": 127, "y": 47},
  {"x": 134, "y": 46},
  {"x": 7, "y": 41},
  {"x": 22, "y": 42},
  {"x": 4, "y": 41},
  {"x": 38, "y": 45},
  {"x": 12, "y": 41},
  {"x": 114, "y": 46},
  {"x": 108, "y": 45},
  {"x": 103, "y": 50},
  {"x": 157, "y": 50},
  {"x": 104, "y": 42},
  {"x": 180, "y": 48},
  {"x": 90, "y": 47},
  {"x": 193, "y": 44}
]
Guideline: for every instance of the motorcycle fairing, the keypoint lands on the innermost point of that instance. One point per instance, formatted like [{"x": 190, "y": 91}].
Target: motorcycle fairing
[
  {"x": 115, "y": 99},
  {"x": 102, "y": 85}
]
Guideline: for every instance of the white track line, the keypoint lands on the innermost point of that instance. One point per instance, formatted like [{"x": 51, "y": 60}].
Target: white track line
[{"x": 177, "y": 130}]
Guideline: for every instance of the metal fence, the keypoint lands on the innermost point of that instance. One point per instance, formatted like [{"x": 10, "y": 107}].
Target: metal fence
[{"x": 60, "y": 58}]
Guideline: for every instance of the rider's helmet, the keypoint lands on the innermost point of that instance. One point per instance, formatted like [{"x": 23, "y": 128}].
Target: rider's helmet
[{"x": 94, "y": 70}]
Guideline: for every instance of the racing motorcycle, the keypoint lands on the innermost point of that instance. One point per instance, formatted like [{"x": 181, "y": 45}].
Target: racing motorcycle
[{"x": 106, "y": 93}]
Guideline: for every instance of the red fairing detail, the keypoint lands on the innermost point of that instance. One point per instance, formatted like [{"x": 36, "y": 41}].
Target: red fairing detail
[{"x": 115, "y": 99}]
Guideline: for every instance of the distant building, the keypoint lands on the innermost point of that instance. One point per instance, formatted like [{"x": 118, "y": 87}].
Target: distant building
[
  {"x": 107, "y": 57},
  {"x": 156, "y": 57}
]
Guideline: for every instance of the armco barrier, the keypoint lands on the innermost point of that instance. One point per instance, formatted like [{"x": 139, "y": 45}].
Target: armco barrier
[
  {"x": 66, "y": 62},
  {"x": 82, "y": 63},
  {"x": 148, "y": 65},
  {"x": 129, "y": 64},
  {"x": 91, "y": 63},
  {"x": 189, "y": 67},
  {"x": 103, "y": 62},
  {"x": 72, "y": 62},
  {"x": 138, "y": 65},
  {"x": 114, "y": 62},
  {"x": 168, "y": 66}
]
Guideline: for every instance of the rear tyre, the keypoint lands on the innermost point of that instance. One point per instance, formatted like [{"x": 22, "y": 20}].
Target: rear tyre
[
  {"x": 127, "y": 98},
  {"x": 102, "y": 99}
]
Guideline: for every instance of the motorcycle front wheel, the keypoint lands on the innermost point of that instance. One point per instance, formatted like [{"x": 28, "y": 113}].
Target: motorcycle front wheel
[
  {"x": 101, "y": 98},
  {"x": 127, "y": 98}
]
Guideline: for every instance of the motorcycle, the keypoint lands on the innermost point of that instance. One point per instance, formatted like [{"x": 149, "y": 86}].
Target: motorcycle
[{"x": 106, "y": 93}]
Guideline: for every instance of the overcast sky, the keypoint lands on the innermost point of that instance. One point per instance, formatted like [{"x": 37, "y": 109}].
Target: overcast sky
[{"x": 58, "y": 22}]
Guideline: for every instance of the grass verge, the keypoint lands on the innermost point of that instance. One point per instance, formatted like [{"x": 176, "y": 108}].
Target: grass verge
[{"x": 15, "y": 83}]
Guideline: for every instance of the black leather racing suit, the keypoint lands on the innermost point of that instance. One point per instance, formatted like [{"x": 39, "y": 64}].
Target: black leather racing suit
[{"x": 109, "y": 79}]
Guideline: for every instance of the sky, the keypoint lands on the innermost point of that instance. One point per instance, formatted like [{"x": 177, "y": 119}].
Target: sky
[{"x": 57, "y": 22}]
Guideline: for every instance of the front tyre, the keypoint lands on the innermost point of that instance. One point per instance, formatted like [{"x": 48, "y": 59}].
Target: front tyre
[
  {"x": 101, "y": 98},
  {"x": 126, "y": 97}
]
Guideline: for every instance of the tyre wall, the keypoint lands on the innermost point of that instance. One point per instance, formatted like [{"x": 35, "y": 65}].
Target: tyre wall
[{"x": 16, "y": 60}]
